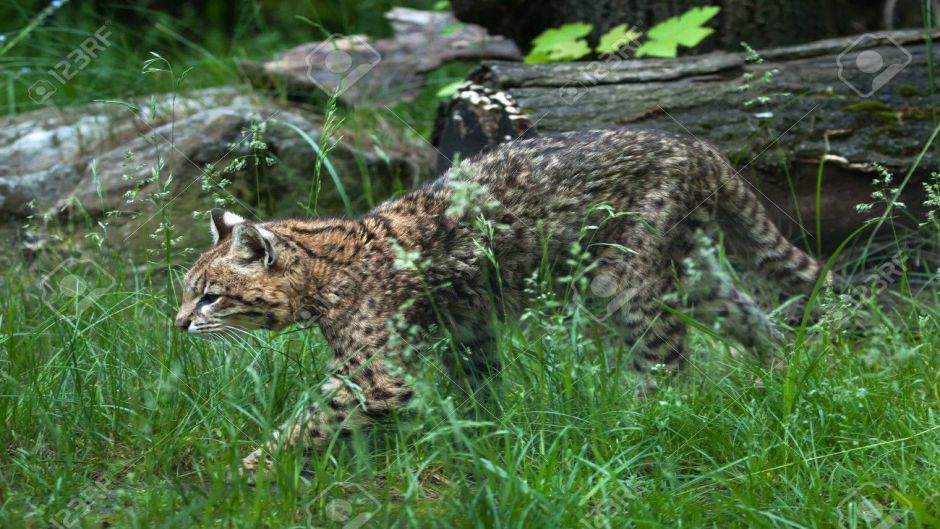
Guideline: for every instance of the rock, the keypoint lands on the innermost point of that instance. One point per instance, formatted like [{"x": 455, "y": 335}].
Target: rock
[
  {"x": 47, "y": 156},
  {"x": 379, "y": 72}
]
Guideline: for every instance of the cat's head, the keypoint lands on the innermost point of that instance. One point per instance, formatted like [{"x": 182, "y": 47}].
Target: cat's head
[{"x": 240, "y": 283}]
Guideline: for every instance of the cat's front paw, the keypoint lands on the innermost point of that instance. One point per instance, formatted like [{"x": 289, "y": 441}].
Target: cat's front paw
[{"x": 255, "y": 463}]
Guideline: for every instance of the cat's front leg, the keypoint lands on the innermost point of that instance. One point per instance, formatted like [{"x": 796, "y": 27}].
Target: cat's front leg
[{"x": 361, "y": 389}]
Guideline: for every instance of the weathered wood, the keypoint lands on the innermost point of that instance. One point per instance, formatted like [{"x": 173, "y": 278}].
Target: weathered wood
[
  {"x": 813, "y": 112},
  {"x": 371, "y": 73}
]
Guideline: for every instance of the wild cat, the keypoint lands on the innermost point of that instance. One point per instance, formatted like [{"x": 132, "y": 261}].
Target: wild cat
[{"x": 481, "y": 232}]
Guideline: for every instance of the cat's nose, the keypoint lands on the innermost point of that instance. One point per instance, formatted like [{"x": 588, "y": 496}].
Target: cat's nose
[{"x": 183, "y": 322}]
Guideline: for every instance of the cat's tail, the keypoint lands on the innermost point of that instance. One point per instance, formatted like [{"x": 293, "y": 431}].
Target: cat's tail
[{"x": 755, "y": 239}]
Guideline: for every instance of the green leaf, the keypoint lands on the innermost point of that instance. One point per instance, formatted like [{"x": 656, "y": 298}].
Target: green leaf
[
  {"x": 683, "y": 30},
  {"x": 657, "y": 48},
  {"x": 537, "y": 57},
  {"x": 565, "y": 43},
  {"x": 571, "y": 51},
  {"x": 326, "y": 163},
  {"x": 561, "y": 36},
  {"x": 441, "y": 5},
  {"x": 448, "y": 90},
  {"x": 616, "y": 38}
]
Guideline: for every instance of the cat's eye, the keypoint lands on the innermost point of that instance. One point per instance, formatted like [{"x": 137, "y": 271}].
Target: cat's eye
[{"x": 207, "y": 299}]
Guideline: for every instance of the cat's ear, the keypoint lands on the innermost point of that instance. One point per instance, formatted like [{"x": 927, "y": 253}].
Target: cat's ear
[
  {"x": 222, "y": 224},
  {"x": 254, "y": 243}
]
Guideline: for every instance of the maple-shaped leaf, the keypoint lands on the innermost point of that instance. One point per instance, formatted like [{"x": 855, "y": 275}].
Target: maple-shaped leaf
[
  {"x": 565, "y": 43},
  {"x": 616, "y": 38},
  {"x": 658, "y": 48},
  {"x": 537, "y": 57},
  {"x": 683, "y": 30}
]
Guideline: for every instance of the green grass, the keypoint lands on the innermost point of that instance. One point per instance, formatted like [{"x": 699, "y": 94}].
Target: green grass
[
  {"x": 112, "y": 418},
  {"x": 114, "y": 394}
]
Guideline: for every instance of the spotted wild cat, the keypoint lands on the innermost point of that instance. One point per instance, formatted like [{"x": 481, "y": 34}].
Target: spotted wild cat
[{"x": 536, "y": 195}]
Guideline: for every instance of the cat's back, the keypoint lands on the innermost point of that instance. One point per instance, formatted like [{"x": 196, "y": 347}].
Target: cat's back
[{"x": 569, "y": 172}]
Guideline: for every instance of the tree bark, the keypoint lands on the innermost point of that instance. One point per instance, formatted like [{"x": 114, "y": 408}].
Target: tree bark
[
  {"x": 822, "y": 115},
  {"x": 760, "y": 23}
]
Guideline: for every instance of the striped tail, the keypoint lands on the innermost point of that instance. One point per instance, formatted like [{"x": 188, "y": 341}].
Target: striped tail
[{"x": 755, "y": 239}]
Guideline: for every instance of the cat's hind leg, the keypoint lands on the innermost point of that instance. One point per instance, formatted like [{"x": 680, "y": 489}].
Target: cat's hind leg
[
  {"x": 636, "y": 290},
  {"x": 714, "y": 299}
]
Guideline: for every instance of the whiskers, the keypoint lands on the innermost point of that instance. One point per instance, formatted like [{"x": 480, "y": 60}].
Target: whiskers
[
  {"x": 208, "y": 329},
  {"x": 241, "y": 337},
  {"x": 237, "y": 336}
]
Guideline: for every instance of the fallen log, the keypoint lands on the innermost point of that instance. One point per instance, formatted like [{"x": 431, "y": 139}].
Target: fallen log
[
  {"x": 371, "y": 73},
  {"x": 838, "y": 106}
]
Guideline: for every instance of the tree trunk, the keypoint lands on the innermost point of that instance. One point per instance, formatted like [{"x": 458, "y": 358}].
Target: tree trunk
[
  {"x": 760, "y": 23},
  {"x": 803, "y": 110}
]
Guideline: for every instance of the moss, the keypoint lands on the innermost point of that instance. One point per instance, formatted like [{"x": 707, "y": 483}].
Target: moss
[
  {"x": 918, "y": 113},
  {"x": 869, "y": 105},
  {"x": 890, "y": 115},
  {"x": 906, "y": 90},
  {"x": 875, "y": 108}
]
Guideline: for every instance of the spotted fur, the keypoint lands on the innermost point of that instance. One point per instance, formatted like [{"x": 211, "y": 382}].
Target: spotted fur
[{"x": 538, "y": 197}]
